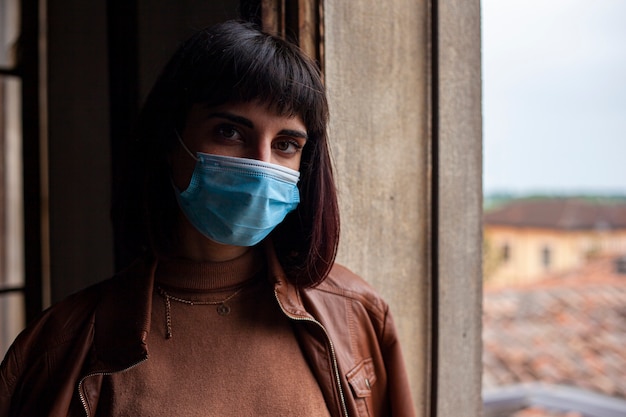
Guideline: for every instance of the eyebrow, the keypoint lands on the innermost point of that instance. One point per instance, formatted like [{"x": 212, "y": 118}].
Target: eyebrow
[{"x": 248, "y": 123}]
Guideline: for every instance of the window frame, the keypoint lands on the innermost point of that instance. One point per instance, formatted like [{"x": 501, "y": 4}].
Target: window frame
[{"x": 29, "y": 71}]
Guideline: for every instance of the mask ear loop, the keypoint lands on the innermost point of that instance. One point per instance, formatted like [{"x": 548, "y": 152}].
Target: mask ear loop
[{"x": 185, "y": 146}]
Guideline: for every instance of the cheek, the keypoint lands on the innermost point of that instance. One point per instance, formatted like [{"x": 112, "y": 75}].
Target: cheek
[{"x": 292, "y": 163}]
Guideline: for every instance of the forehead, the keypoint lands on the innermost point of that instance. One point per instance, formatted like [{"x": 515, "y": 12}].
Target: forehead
[{"x": 247, "y": 113}]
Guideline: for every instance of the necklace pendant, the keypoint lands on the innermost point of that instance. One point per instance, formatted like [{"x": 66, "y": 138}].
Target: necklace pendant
[{"x": 223, "y": 309}]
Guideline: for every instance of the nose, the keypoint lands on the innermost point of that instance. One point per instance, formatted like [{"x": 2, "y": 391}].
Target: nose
[{"x": 261, "y": 150}]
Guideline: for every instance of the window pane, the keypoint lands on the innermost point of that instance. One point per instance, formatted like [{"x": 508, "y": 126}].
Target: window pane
[
  {"x": 9, "y": 21},
  {"x": 12, "y": 313},
  {"x": 11, "y": 209}
]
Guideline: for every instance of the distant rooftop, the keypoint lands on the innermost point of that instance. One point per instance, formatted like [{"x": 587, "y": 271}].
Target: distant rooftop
[
  {"x": 567, "y": 330},
  {"x": 559, "y": 213}
]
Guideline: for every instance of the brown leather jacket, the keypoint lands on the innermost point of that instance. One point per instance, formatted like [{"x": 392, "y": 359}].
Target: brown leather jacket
[{"x": 56, "y": 366}]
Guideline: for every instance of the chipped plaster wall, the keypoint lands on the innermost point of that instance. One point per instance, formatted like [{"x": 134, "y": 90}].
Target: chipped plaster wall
[{"x": 376, "y": 74}]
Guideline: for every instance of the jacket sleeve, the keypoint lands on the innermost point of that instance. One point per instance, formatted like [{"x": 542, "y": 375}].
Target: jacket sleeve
[
  {"x": 38, "y": 374},
  {"x": 9, "y": 371}
]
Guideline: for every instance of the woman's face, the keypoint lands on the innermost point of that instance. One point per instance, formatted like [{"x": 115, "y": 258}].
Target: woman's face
[{"x": 245, "y": 130}]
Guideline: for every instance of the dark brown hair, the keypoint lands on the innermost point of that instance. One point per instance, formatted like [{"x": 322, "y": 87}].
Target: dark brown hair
[{"x": 234, "y": 62}]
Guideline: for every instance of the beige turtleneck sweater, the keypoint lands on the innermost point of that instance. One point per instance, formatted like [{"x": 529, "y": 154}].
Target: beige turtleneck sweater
[{"x": 244, "y": 363}]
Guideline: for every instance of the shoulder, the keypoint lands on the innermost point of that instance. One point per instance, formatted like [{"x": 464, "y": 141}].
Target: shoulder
[
  {"x": 343, "y": 284},
  {"x": 64, "y": 336},
  {"x": 52, "y": 335},
  {"x": 71, "y": 318},
  {"x": 60, "y": 322}
]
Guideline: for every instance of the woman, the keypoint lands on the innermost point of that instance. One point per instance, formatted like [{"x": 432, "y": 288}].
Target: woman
[{"x": 235, "y": 306}]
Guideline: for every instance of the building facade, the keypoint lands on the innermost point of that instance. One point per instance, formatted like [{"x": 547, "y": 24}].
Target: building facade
[{"x": 527, "y": 239}]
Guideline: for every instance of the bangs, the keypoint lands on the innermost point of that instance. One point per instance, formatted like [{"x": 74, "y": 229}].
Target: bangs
[{"x": 257, "y": 68}]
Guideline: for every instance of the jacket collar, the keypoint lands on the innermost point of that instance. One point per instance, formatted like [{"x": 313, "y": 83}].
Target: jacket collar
[
  {"x": 122, "y": 317},
  {"x": 287, "y": 294}
]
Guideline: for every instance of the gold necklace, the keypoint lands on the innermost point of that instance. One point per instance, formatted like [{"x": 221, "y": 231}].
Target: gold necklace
[{"x": 223, "y": 309}]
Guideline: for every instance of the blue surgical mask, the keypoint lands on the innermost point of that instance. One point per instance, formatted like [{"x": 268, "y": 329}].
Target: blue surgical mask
[{"x": 237, "y": 201}]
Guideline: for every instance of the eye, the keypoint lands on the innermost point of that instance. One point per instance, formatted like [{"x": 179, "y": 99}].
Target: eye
[
  {"x": 227, "y": 131},
  {"x": 287, "y": 146}
]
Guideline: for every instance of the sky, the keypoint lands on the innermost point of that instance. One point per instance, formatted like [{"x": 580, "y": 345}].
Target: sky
[{"x": 554, "y": 96}]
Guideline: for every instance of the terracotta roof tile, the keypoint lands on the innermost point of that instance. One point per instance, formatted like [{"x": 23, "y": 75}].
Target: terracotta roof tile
[
  {"x": 559, "y": 213},
  {"x": 568, "y": 329}
]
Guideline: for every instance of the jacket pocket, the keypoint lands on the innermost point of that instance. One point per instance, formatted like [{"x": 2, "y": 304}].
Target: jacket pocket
[{"x": 361, "y": 379}]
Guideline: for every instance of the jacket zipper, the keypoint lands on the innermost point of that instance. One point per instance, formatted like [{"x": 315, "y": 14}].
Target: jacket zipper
[
  {"x": 332, "y": 352},
  {"x": 80, "y": 384}
]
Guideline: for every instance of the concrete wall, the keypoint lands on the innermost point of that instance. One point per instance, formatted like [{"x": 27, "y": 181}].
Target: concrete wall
[
  {"x": 458, "y": 188},
  {"x": 376, "y": 73},
  {"x": 404, "y": 82}
]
